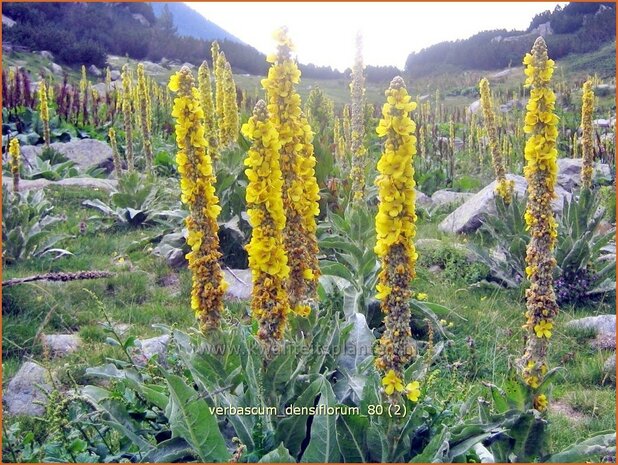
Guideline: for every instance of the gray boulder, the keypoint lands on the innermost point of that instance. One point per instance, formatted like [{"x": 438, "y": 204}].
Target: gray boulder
[
  {"x": 108, "y": 185},
  {"x": 114, "y": 74},
  {"x": 86, "y": 153},
  {"x": 92, "y": 69},
  {"x": 468, "y": 217},
  {"x": 240, "y": 284},
  {"x": 600, "y": 324},
  {"x": 569, "y": 172},
  {"x": 47, "y": 55},
  {"x": 8, "y": 22},
  {"x": 148, "y": 348},
  {"x": 474, "y": 107},
  {"x": 56, "y": 68},
  {"x": 24, "y": 394},
  {"x": 444, "y": 197},
  {"x": 423, "y": 200},
  {"x": 60, "y": 345}
]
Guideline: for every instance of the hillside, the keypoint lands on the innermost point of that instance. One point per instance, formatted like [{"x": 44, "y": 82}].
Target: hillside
[
  {"x": 191, "y": 24},
  {"x": 578, "y": 28}
]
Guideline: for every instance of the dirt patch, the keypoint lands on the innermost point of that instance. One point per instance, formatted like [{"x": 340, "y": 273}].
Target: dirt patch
[
  {"x": 563, "y": 408},
  {"x": 171, "y": 282}
]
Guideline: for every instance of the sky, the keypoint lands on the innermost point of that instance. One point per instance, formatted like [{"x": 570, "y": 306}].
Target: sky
[{"x": 324, "y": 33}]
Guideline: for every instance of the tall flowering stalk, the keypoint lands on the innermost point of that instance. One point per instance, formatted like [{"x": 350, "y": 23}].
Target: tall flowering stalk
[
  {"x": 339, "y": 142},
  {"x": 144, "y": 104},
  {"x": 206, "y": 100},
  {"x": 395, "y": 227},
  {"x": 300, "y": 188},
  {"x": 44, "y": 110},
  {"x": 587, "y": 141},
  {"x": 541, "y": 173},
  {"x": 15, "y": 154},
  {"x": 230, "y": 123},
  {"x": 198, "y": 193},
  {"x": 115, "y": 155},
  {"x": 84, "y": 85},
  {"x": 347, "y": 126},
  {"x": 267, "y": 256},
  {"x": 126, "y": 116},
  {"x": 357, "y": 146},
  {"x": 218, "y": 69},
  {"x": 504, "y": 188}
]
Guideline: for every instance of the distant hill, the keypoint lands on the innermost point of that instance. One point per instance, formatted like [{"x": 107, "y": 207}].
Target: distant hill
[
  {"x": 578, "y": 28},
  {"x": 190, "y": 23}
]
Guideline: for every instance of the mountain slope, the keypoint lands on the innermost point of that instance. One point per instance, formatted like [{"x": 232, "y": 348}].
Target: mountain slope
[{"x": 190, "y": 23}]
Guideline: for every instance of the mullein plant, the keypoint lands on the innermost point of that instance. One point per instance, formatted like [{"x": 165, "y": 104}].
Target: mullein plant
[
  {"x": 144, "y": 112},
  {"x": 395, "y": 228},
  {"x": 357, "y": 143},
  {"x": 15, "y": 154},
  {"x": 218, "y": 66},
  {"x": 206, "y": 100},
  {"x": 44, "y": 112},
  {"x": 267, "y": 256},
  {"x": 84, "y": 85},
  {"x": 230, "y": 123},
  {"x": 300, "y": 188},
  {"x": 126, "y": 116},
  {"x": 587, "y": 134},
  {"x": 347, "y": 127},
  {"x": 115, "y": 155},
  {"x": 198, "y": 193},
  {"x": 504, "y": 187},
  {"x": 541, "y": 173}
]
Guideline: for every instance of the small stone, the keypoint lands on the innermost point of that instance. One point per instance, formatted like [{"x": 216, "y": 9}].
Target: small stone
[
  {"x": 240, "y": 284},
  {"x": 61, "y": 344},
  {"x": 148, "y": 348},
  {"x": 601, "y": 324},
  {"x": 24, "y": 393}
]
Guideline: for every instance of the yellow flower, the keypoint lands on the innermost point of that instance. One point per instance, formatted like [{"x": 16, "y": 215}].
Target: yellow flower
[
  {"x": 303, "y": 310},
  {"x": 413, "y": 391},
  {"x": 15, "y": 153},
  {"x": 587, "y": 134},
  {"x": 541, "y": 402},
  {"x": 392, "y": 383},
  {"x": 127, "y": 115},
  {"x": 421, "y": 296},
  {"x": 543, "y": 329}
]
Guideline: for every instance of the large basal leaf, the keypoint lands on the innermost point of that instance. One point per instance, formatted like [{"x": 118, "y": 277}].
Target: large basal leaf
[
  {"x": 436, "y": 450},
  {"x": 279, "y": 455},
  {"x": 190, "y": 418},
  {"x": 358, "y": 345},
  {"x": 293, "y": 429},
  {"x": 588, "y": 450},
  {"x": 323, "y": 446},
  {"x": 352, "y": 440},
  {"x": 170, "y": 451}
]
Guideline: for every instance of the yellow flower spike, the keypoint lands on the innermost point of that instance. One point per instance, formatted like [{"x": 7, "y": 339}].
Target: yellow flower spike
[
  {"x": 15, "y": 160},
  {"x": 300, "y": 188},
  {"x": 392, "y": 382},
  {"x": 144, "y": 104},
  {"x": 587, "y": 134},
  {"x": 206, "y": 99},
  {"x": 115, "y": 156},
  {"x": 127, "y": 115},
  {"x": 44, "y": 111},
  {"x": 413, "y": 391},
  {"x": 198, "y": 193},
  {"x": 359, "y": 152},
  {"x": 541, "y": 174},
  {"x": 395, "y": 228},
  {"x": 504, "y": 188},
  {"x": 228, "y": 134},
  {"x": 267, "y": 257},
  {"x": 421, "y": 296}
]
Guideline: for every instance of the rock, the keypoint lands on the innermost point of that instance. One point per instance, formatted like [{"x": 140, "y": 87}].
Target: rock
[
  {"x": 474, "y": 107},
  {"x": 569, "y": 172},
  {"x": 601, "y": 324},
  {"x": 8, "y": 22},
  {"x": 601, "y": 123},
  {"x": 61, "y": 344},
  {"x": 240, "y": 284},
  {"x": 153, "y": 68},
  {"x": 114, "y": 74},
  {"x": 101, "y": 87},
  {"x": 469, "y": 216},
  {"x": 188, "y": 65},
  {"x": 503, "y": 73},
  {"x": 47, "y": 55},
  {"x": 92, "y": 183},
  {"x": 25, "y": 391},
  {"x": 423, "y": 200},
  {"x": 445, "y": 197},
  {"x": 86, "y": 153},
  {"x": 148, "y": 348},
  {"x": 94, "y": 70},
  {"x": 508, "y": 106},
  {"x": 604, "y": 341},
  {"x": 56, "y": 68}
]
